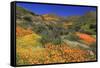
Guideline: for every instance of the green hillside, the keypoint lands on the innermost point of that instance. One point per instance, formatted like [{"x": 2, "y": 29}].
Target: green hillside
[{"x": 58, "y": 39}]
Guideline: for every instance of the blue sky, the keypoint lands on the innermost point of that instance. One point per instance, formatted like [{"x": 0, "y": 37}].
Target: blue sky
[{"x": 56, "y": 9}]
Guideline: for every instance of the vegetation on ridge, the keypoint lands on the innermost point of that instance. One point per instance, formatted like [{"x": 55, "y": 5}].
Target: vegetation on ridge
[{"x": 44, "y": 39}]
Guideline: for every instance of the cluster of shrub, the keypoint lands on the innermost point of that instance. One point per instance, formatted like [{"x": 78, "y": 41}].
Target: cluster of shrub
[{"x": 53, "y": 32}]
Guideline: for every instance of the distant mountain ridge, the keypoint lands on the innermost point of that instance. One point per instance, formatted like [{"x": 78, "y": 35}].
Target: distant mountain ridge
[{"x": 27, "y": 19}]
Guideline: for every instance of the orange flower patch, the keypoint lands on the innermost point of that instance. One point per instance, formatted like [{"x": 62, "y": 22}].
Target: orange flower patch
[
  {"x": 22, "y": 32},
  {"x": 87, "y": 38}
]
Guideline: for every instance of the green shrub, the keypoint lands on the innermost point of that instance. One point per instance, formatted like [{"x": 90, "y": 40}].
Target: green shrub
[
  {"x": 72, "y": 37},
  {"x": 57, "y": 41},
  {"x": 28, "y": 18}
]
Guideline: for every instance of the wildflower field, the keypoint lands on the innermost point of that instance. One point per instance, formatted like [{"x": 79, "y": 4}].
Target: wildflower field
[{"x": 50, "y": 38}]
